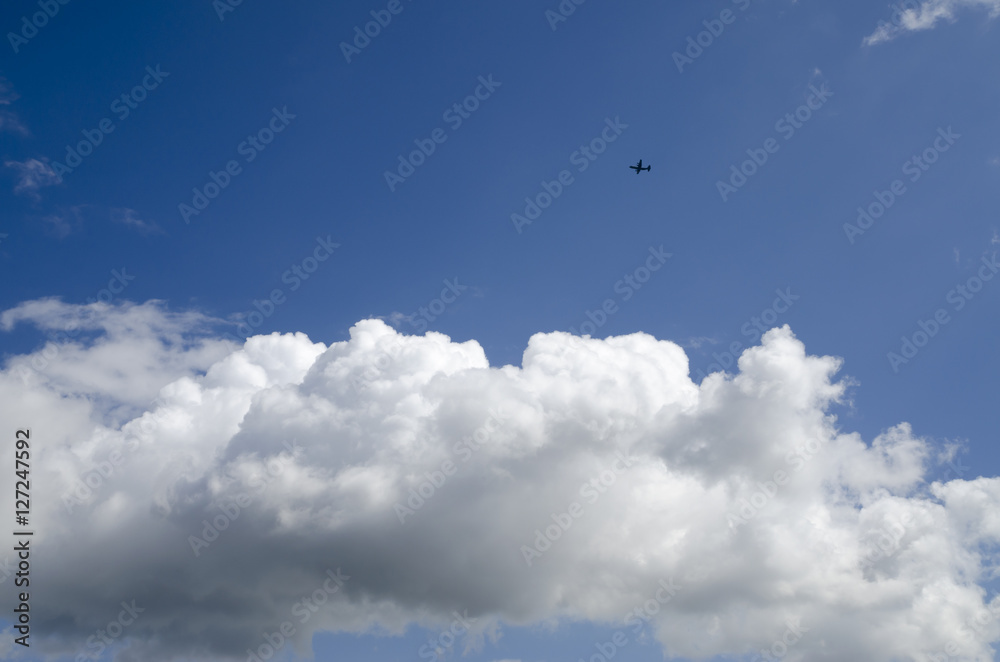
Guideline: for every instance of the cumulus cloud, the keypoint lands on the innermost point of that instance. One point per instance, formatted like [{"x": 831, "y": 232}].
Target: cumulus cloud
[
  {"x": 439, "y": 487},
  {"x": 120, "y": 356},
  {"x": 913, "y": 16}
]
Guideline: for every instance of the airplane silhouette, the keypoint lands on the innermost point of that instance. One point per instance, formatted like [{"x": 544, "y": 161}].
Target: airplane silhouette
[{"x": 639, "y": 168}]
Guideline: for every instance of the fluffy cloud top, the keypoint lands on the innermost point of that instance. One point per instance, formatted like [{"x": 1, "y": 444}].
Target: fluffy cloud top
[{"x": 572, "y": 487}]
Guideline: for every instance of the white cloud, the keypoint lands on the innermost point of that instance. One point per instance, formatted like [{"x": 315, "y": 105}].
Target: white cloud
[
  {"x": 9, "y": 120},
  {"x": 64, "y": 221},
  {"x": 32, "y": 176},
  {"x": 369, "y": 419},
  {"x": 7, "y": 95},
  {"x": 121, "y": 355},
  {"x": 913, "y": 16},
  {"x": 130, "y": 218}
]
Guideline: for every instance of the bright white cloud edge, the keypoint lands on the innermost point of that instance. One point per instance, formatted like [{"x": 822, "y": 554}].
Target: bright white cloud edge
[{"x": 366, "y": 421}]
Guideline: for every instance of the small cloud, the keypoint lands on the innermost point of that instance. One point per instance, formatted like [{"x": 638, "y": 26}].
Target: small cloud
[
  {"x": 396, "y": 319},
  {"x": 7, "y": 95},
  {"x": 912, "y": 16},
  {"x": 130, "y": 218},
  {"x": 64, "y": 222},
  {"x": 57, "y": 225},
  {"x": 32, "y": 176},
  {"x": 10, "y": 122},
  {"x": 882, "y": 34},
  {"x": 995, "y": 162},
  {"x": 8, "y": 119},
  {"x": 698, "y": 341},
  {"x": 950, "y": 449}
]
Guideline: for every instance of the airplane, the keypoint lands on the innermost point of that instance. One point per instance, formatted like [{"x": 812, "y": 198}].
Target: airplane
[{"x": 639, "y": 168}]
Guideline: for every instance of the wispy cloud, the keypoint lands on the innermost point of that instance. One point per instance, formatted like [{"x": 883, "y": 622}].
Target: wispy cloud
[
  {"x": 32, "y": 176},
  {"x": 130, "y": 218},
  {"x": 64, "y": 222},
  {"x": 8, "y": 119},
  {"x": 697, "y": 341},
  {"x": 911, "y": 16}
]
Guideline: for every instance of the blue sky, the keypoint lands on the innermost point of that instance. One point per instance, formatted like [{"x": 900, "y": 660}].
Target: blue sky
[{"x": 311, "y": 214}]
